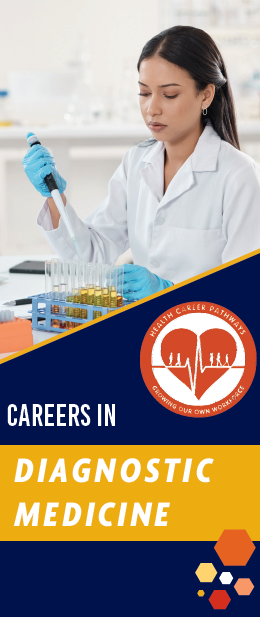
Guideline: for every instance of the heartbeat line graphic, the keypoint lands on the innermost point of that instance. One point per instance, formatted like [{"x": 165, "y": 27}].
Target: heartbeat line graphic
[{"x": 199, "y": 366}]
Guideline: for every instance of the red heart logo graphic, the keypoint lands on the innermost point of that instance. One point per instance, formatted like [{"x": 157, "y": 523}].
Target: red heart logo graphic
[{"x": 198, "y": 361}]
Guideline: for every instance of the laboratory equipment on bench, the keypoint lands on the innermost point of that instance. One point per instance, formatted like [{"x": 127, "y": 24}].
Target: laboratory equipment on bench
[
  {"x": 15, "y": 333},
  {"x": 75, "y": 293},
  {"x": 53, "y": 188}
]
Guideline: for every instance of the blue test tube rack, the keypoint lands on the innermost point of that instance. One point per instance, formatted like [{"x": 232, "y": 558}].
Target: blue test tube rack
[{"x": 45, "y": 312}]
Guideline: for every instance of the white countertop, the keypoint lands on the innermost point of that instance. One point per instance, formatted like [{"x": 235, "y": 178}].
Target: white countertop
[
  {"x": 106, "y": 131},
  {"x": 21, "y": 286}
]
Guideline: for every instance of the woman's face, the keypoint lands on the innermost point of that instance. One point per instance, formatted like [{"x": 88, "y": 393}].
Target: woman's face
[{"x": 170, "y": 104}]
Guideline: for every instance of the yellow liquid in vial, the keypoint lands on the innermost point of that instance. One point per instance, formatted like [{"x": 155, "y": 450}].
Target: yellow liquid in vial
[
  {"x": 97, "y": 314},
  {"x": 119, "y": 300},
  {"x": 76, "y": 300},
  {"x": 69, "y": 311},
  {"x": 84, "y": 313},
  {"x": 90, "y": 295},
  {"x": 84, "y": 296},
  {"x": 97, "y": 296},
  {"x": 113, "y": 298},
  {"x": 105, "y": 297}
]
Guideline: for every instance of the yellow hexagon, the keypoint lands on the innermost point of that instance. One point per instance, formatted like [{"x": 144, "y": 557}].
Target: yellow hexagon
[
  {"x": 206, "y": 572},
  {"x": 201, "y": 593}
]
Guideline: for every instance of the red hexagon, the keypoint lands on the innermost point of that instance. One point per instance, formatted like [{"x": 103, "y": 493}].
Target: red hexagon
[
  {"x": 219, "y": 599},
  {"x": 234, "y": 547}
]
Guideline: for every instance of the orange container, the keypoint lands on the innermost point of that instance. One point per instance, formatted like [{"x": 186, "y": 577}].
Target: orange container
[{"x": 15, "y": 335}]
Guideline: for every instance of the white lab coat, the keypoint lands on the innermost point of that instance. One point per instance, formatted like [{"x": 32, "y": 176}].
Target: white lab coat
[{"x": 209, "y": 215}]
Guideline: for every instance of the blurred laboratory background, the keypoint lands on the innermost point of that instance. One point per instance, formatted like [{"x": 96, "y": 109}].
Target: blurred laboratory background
[{"x": 68, "y": 73}]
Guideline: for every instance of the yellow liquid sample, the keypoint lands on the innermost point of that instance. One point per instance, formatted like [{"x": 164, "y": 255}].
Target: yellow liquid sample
[
  {"x": 105, "y": 297},
  {"x": 90, "y": 295},
  {"x": 119, "y": 300},
  {"x": 84, "y": 313},
  {"x": 113, "y": 298},
  {"x": 84, "y": 296},
  {"x": 97, "y": 296},
  {"x": 76, "y": 300},
  {"x": 97, "y": 314},
  {"x": 69, "y": 311}
]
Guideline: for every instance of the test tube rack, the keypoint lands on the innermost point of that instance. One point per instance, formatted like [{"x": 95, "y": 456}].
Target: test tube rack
[{"x": 46, "y": 316}]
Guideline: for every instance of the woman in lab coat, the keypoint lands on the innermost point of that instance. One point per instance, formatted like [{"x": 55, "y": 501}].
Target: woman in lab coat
[{"x": 186, "y": 200}]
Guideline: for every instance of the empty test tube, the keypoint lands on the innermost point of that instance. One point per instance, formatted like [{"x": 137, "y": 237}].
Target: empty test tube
[{"x": 48, "y": 281}]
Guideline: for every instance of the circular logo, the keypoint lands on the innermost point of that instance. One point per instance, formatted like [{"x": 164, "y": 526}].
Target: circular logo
[{"x": 198, "y": 359}]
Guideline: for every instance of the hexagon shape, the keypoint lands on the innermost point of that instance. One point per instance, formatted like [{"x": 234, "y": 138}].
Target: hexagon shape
[
  {"x": 244, "y": 586},
  {"x": 206, "y": 572},
  {"x": 201, "y": 593},
  {"x": 234, "y": 547},
  {"x": 219, "y": 599},
  {"x": 226, "y": 578}
]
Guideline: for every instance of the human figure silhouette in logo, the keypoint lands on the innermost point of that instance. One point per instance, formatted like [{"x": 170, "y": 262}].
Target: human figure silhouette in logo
[
  {"x": 211, "y": 359},
  {"x": 178, "y": 363},
  {"x": 226, "y": 361},
  {"x": 218, "y": 360},
  {"x": 170, "y": 359}
]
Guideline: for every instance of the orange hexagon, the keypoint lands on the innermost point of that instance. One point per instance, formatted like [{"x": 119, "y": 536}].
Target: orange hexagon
[
  {"x": 244, "y": 586},
  {"x": 234, "y": 547}
]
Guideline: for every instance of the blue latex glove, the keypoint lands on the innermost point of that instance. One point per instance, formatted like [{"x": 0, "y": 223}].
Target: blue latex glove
[
  {"x": 140, "y": 282},
  {"x": 38, "y": 163}
]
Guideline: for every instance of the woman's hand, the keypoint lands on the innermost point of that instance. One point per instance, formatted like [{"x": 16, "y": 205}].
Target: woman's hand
[
  {"x": 140, "y": 282},
  {"x": 38, "y": 163}
]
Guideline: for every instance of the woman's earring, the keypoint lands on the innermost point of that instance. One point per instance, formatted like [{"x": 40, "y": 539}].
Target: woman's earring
[{"x": 205, "y": 111}]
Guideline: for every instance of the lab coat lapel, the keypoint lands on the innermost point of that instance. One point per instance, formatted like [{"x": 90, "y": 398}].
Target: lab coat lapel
[
  {"x": 153, "y": 176},
  {"x": 153, "y": 172},
  {"x": 181, "y": 182}
]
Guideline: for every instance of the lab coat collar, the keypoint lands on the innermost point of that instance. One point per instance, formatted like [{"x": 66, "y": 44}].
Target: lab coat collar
[{"x": 203, "y": 158}]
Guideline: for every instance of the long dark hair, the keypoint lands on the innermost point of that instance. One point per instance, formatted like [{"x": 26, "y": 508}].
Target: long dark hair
[{"x": 195, "y": 51}]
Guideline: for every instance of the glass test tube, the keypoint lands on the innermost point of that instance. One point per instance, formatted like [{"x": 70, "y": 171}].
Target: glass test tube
[
  {"x": 69, "y": 310},
  {"x": 120, "y": 285},
  {"x": 105, "y": 297},
  {"x": 48, "y": 282},
  {"x": 97, "y": 285},
  {"x": 63, "y": 290},
  {"x": 84, "y": 289},
  {"x": 90, "y": 270},
  {"x": 76, "y": 290},
  {"x": 113, "y": 287},
  {"x": 55, "y": 283}
]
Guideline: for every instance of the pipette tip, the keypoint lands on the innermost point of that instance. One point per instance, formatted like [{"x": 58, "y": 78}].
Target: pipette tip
[{"x": 77, "y": 248}]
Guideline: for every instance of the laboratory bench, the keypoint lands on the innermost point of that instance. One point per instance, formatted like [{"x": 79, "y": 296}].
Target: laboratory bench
[{"x": 19, "y": 286}]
